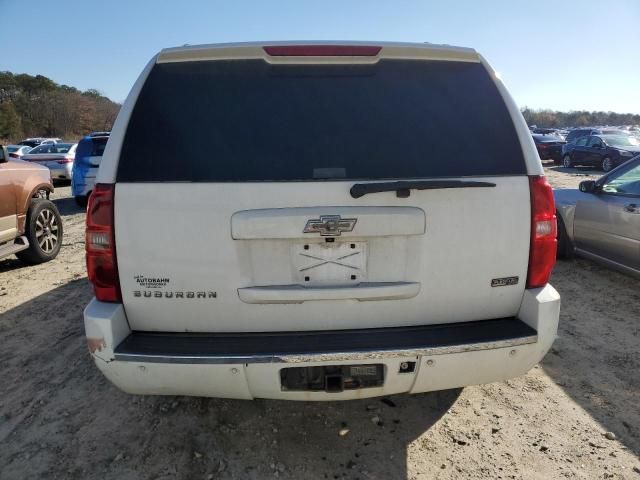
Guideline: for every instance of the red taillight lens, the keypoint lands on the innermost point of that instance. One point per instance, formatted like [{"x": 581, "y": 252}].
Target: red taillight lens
[
  {"x": 542, "y": 253},
  {"x": 100, "y": 244},
  {"x": 322, "y": 50},
  {"x": 66, "y": 160},
  {"x": 14, "y": 155}
]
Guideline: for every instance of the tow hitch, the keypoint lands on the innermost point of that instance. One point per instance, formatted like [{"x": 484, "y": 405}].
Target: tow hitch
[{"x": 332, "y": 379}]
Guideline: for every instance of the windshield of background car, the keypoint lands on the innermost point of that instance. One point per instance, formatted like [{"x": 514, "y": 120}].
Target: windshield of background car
[
  {"x": 622, "y": 141},
  {"x": 248, "y": 120},
  {"x": 41, "y": 149},
  {"x": 61, "y": 147},
  {"x": 627, "y": 182}
]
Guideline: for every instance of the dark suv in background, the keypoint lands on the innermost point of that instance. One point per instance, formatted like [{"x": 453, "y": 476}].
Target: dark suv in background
[
  {"x": 580, "y": 132},
  {"x": 603, "y": 151}
]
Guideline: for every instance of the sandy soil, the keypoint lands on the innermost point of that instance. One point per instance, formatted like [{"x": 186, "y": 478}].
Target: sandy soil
[{"x": 59, "y": 418}]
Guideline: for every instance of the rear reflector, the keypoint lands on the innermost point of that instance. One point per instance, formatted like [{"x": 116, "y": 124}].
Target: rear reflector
[
  {"x": 542, "y": 253},
  {"x": 322, "y": 50},
  {"x": 100, "y": 244}
]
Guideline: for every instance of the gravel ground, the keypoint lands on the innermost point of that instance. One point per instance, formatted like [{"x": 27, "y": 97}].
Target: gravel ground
[{"x": 575, "y": 415}]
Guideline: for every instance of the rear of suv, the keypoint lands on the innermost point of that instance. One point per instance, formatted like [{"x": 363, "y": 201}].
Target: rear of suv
[{"x": 319, "y": 222}]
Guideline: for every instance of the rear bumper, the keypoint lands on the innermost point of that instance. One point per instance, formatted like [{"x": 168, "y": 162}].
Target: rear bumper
[
  {"x": 62, "y": 172},
  {"x": 248, "y": 366}
]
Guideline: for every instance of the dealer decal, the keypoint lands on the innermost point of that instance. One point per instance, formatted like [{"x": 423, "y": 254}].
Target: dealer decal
[
  {"x": 153, "y": 287},
  {"x": 151, "y": 282}
]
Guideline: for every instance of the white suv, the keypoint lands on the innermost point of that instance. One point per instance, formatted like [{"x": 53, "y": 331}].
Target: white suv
[{"x": 319, "y": 222}]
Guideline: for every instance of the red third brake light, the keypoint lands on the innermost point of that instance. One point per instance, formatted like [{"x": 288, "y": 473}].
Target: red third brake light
[
  {"x": 542, "y": 253},
  {"x": 100, "y": 244},
  {"x": 322, "y": 50}
]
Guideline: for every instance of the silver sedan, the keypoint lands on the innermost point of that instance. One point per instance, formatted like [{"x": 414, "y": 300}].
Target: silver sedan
[
  {"x": 58, "y": 157},
  {"x": 601, "y": 220}
]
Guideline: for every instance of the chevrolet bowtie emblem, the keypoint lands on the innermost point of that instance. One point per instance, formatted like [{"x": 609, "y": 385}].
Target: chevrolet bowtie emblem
[{"x": 330, "y": 225}]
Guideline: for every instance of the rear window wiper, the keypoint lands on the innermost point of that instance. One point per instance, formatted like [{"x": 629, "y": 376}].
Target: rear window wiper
[{"x": 403, "y": 188}]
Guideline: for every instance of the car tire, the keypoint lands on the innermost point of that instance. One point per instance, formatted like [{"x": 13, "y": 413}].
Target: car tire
[
  {"x": 607, "y": 164},
  {"x": 81, "y": 200},
  {"x": 44, "y": 232},
  {"x": 566, "y": 161},
  {"x": 565, "y": 245}
]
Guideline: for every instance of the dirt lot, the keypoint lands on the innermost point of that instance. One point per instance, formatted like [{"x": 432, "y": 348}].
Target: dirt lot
[{"x": 59, "y": 418}]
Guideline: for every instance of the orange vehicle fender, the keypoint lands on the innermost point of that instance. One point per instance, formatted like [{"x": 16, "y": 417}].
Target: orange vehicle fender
[{"x": 30, "y": 189}]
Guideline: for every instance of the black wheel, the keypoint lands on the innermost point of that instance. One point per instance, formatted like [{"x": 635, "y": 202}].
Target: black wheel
[
  {"x": 565, "y": 245},
  {"x": 607, "y": 164},
  {"x": 566, "y": 161},
  {"x": 44, "y": 232},
  {"x": 81, "y": 200}
]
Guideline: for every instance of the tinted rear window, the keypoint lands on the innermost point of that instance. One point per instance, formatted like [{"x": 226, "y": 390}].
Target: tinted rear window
[
  {"x": 252, "y": 121},
  {"x": 93, "y": 147}
]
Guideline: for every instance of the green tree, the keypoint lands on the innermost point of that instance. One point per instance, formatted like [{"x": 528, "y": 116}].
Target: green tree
[{"x": 9, "y": 121}]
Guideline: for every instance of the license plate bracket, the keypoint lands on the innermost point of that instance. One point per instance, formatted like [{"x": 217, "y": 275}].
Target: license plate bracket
[
  {"x": 330, "y": 263},
  {"x": 332, "y": 378}
]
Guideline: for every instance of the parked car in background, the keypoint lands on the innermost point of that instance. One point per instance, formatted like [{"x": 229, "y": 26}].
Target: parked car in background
[
  {"x": 290, "y": 254},
  {"x": 30, "y": 225},
  {"x": 544, "y": 131},
  {"x": 548, "y": 131},
  {"x": 57, "y": 157},
  {"x": 601, "y": 151},
  {"x": 17, "y": 151},
  {"x": 549, "y": 146},
  {"x": 576, "y": 133},
  {"x": 85, "y": 165},
  {"x": 601, "y": 220},
  {"x": 35, "y": 141}
]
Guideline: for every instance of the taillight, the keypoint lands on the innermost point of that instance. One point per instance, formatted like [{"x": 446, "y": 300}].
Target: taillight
[
  {"x": 322, "y": 50},
  {"x": 542, "y": 253},
  {"x": 66, "y": 160},
  {"x": 14, "y": 155},
  {"x": 100, "y": 244}
]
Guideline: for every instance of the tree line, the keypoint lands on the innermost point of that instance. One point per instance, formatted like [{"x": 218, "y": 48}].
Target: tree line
[
  {"x": 34, "y": 106},
  {"x": 583, "y": 118}
]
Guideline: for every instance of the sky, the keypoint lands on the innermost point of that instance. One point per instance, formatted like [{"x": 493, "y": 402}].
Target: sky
[{"x": 561, "y": 55}]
